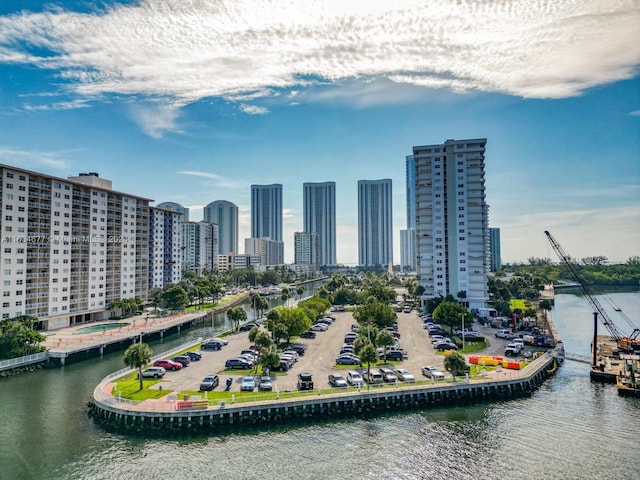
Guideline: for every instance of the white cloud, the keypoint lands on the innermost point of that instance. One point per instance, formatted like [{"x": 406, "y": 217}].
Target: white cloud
[
  {"x": 217, "y": 180},
  {"x": 34, "y": 159},
  {"x": 180, "y": 52},
  {"x": 253, "y": 109},
  {"x": 155, "y": 119},
  {"x": 635, "y": 113}
]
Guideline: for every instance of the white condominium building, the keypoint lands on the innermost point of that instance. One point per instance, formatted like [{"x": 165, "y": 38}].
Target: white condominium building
[
  {"x": 452, "y": 234},
  {"x": 69, "y": 247},
  {"x": 165, "y": 247},
  {"x": 199, "y": 246}
]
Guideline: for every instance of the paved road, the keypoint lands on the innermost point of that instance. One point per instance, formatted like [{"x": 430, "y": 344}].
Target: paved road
[{"x": 319, "y": 358}]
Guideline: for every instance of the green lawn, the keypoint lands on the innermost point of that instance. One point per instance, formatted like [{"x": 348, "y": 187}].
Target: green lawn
[{"x": 518, "y": 303}]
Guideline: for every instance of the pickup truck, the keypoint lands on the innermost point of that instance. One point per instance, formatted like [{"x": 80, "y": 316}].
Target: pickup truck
[
  {"x": 505, "y": 334},
  {"x": 513, "y": 349}
]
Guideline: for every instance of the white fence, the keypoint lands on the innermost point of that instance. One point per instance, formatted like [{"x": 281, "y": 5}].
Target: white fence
[{"x": 21, "y": 361}]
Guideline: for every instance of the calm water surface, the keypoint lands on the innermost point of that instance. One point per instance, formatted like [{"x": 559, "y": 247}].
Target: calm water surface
[{"x": 569, "y": 429}]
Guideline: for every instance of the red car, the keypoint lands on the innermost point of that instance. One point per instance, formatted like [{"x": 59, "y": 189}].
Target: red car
[{"x": 168, "y": 364}]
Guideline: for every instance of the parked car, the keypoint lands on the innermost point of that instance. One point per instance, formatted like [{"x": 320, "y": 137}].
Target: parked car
[
  {"x": 248, "y": 384},
  {"x": 265, "y": 385},
  {"x": 324, "y": 321},
  {"x": 348, "y": 359},
  {"x": 167, "y": 364},
  {"x": 441, "y": 347},
  {"x": 373, "y": 376},
  {"x": 437, "y": 331},
  {"x": 153, "y": 372},
  {"x": 355, "y": 326},
  {"x": 305, "y": 381},
  {"x": 250, "y": 359},
  {"x": 183, "y": 359},
  {"x": 319, "y": 327},
  {"x": 293, "y": 353},
  {"x": 346, "y": 349},
  {"x": 518, "y": 341},
  {"x": 349, "y": 337},
  {"x": 308, "y": 334},
  {"x": 388, "y": 375},
  {"x": 281, "y": 367},
  {"x": 194, "y": 356},
  {"x": 209, "y": 382},
  {"x": 395, "y": 355},
  {"x": 337, "y": 381},
  {"x": 239, "y": 363},
  {"x": 298, "y": 348},
  {"x": 404, "y": 375},
  {"x": 211, "y": 345},
  {"x": 247, "y": 326},
  {"x": 432, "y": 372},
  {"x": 355, "y": 379},
  {"x": 505, "y": 334}
]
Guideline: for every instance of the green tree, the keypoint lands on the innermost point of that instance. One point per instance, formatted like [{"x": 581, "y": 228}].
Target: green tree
[
  {"x": 137, "y": 356},
  {"x": 368, "y": 355},
  {"x": 456, "y": 364},
  {"x": 376, "y": 313},
  {"x": 262, "y": 339},
  {"x": 17, "y": 337},
  {"x": 299, "y": 290},
  {"x": 270, "y": 358},
  {"x": 385, "y": 339},
  {"x": 236, "y": 315},
  {"x": 449, "y": 314},
  {"x": 175, "y": 298},
  {"x": 295, "y": 321},
  {"x": 285, "y": 295}
]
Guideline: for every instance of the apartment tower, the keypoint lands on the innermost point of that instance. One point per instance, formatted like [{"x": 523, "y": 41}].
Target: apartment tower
[
  {"x": 225, "y": 214},
  {"x": 319, "y": 215},
  {"x": 452, "y": 234},
  {"x": 375, "y": 223}
]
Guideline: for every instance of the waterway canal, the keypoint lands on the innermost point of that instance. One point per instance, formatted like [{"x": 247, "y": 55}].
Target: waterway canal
[{"x": 568, "y": 429}]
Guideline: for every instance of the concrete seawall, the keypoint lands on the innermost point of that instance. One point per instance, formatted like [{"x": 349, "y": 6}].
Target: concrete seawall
[{"x": 128, "y": 418}]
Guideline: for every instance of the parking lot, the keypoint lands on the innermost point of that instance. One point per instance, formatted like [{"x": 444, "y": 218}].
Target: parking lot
[{"x": 320, "y": 355}]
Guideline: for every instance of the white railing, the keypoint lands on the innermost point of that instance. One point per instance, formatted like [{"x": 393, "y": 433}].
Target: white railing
[{"x": 26, "y": 360}]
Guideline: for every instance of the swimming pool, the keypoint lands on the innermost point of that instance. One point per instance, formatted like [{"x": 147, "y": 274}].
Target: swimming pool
[{"x": 101, "y": 327}]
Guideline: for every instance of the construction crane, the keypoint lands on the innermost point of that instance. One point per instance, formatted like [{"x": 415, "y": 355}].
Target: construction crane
[{"x": 625, "y": 343}]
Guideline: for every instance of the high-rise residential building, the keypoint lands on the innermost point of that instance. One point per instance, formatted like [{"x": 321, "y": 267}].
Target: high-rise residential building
[
  {"x": 70, "y": 247},
  {"x": 225, "y": 214},
  {"x": 266, "y": 211},
  {"x": 165, "y": 247},
  {"x": 375, "y": 223},
  {"x": 175, "y": 207},
  {"x": 494, "y": 249},
  {"x": 199, "y": 246},
  {"x": 306, "y": 249},
  {"x": 408, "y": 249},
  {"x": 408, "y": 236},
  {"x": 271, "y": 252},
  {"x": 319, "y": 215},
  {"x": 410, "y": 176},
  {"x": 452, "y": 234}
]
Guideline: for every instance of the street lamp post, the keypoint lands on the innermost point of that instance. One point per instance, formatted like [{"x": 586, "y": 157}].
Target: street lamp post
[{"x": 462, "y": 315}]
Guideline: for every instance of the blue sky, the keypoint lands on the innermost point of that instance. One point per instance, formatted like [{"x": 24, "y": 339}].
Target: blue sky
[{"x": 195, "y": 101}]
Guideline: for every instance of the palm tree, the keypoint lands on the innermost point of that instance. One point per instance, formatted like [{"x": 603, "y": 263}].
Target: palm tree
[
  {"x": 236, "y": 315},
  {"x": 137, "y": 356},
  {"x": 286, "y": 295}
]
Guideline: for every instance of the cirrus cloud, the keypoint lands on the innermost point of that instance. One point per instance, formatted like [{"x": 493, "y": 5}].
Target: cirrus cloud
[{"x": 180, "y": 52}]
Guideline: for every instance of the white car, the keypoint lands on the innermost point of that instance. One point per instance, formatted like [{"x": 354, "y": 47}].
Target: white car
[
  {"x": 432, "y": 372},
  {"x": 355, "y": 379},
  {"x": 518, "y": 341},
  {"x": 319, "y": 327},
  {"x": 404, "y": 375},
  {"x": 153, "y": 372}
]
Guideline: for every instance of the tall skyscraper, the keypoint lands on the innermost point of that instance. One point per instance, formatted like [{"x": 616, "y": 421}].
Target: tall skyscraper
[
  {"x": 175, "y": 207},
  {"x": 494, "y": 248},
  {"x": 225, "y": 214},
  {"x": 266, "y": 211},
  {"x": 408, "y": 236},
  {"x": 452, "y": 233},
  {"x": 319, "y": 215},
  {"x": 375, "y": 223}
]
